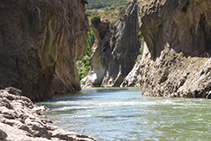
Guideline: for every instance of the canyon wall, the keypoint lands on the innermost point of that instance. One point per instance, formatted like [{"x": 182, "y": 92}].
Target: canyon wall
[
  {"x": 176, "y": 58},
  {"x": 116, "y": 49},
  {"x": 40, "y": 41}
]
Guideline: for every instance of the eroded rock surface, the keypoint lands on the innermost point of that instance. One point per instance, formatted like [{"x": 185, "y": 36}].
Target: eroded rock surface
[
  {"x": 184, "y": 25},
  {"x": 40, "y": 41},
  {"x": 172, "y": 75},
  {"x": 115, "y": 52},
  {"x": 176, "y": 59},
  {"x": 20, "y": 119}
]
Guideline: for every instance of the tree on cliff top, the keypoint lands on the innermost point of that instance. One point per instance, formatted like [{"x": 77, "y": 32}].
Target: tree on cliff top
[{"x": 95, "y": 20}]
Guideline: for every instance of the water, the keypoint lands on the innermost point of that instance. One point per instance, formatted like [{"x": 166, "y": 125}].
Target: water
[{"x": 126, "y": 115}]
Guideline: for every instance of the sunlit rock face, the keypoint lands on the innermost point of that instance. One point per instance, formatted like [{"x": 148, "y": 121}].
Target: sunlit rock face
[
  {"x": 183, "y": 24},
  {"x": 115, "y": 52},
  {"x": 40, "y": 41},
  {"x": 176, "y": 58}
]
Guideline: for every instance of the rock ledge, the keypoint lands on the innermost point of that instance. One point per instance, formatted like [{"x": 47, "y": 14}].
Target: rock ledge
[{"x": 20, "y": 119}]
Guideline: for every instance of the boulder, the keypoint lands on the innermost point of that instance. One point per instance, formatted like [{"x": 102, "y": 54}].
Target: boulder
[{"x": 24, "y": 122}]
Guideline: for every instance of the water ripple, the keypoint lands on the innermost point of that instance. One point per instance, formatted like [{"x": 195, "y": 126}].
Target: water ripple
[{"x": 126, "y": 115}]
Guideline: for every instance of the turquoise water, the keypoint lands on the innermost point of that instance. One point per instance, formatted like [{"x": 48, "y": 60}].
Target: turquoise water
[{"x": 126, "y": 115}]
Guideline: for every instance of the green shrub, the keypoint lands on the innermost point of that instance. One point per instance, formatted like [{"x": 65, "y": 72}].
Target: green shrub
[
  {"x": 95, "y": 20},
  {"x": 208, "y": 55},
  {"x": 89, "y": 13},
  {"x": 121, "y": 19},
  {"x": 98, "y": 4},
  {"x": 113, "y": 38},
  {"x": 84, "y": 64},
  {"x": 122, "y": 11},
  {"x": 139, "y": 34},
  {"x": 112, "y": 27},
  {"x": 140, "y": 55}
]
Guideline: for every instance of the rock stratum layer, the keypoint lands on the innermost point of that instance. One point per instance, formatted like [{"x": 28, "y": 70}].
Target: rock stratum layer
[
  {"x": 20, "y": 120},
  {"x": 176, "y": 60},
  {"x": 40, "y": 41}
]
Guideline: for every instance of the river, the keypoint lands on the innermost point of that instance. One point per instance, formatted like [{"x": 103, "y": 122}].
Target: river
[{"x": 125, "y": 115}]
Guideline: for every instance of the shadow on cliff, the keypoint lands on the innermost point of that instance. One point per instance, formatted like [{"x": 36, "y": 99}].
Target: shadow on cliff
[{"x": 114, "y": 54}]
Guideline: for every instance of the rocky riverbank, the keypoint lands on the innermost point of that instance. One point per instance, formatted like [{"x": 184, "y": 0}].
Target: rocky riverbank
[{"x": 20, "y": 119}]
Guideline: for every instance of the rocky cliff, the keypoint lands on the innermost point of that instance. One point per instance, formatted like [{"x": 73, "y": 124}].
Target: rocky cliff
[
  {"x": 115, "y": 52},
  {"x": 176, "y": 59},
  {"x": 40, "y": 41}
]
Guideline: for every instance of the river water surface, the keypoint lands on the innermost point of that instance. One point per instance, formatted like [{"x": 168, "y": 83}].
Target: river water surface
[{"x": 126, "y": 115}]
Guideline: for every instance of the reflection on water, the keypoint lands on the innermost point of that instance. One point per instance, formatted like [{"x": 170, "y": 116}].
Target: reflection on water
[{"x": 124, "y": 114}]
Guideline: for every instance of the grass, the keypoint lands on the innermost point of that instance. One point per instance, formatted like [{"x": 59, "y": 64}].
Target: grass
[
  {"x": 111, "y": 16},
  {"x": 105, "y": 9},
  {"x": 109, "y": 4}
]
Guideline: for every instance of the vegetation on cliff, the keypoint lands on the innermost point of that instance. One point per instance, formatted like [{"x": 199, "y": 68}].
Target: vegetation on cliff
[
  {"x": 116, "y": 51},
  {"x": 110, "y": 4},
  {"x": 141, "y": 40},
  {"x": 84, "y": 64},
  {"x": 97, "y": 10},
  {"x": 106, "y": 9},
  {"x": 95, "y": 20}
]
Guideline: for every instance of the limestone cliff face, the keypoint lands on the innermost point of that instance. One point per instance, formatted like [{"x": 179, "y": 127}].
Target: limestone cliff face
[
  {"x": 182, "y": 24},
  {"x": 116, "y": 50},
  {"x": 175, "y": 61},
  {"x": 40, "y": 41}
]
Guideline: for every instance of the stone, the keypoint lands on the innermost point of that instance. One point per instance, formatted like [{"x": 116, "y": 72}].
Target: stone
[
  {"x": 5, "y": 102},
  {"x": 24, "y": 121},
  {"x": 3, "y": 135},
  {"x": 13, "y": 90},
  {"x": 25, "y": 128}
]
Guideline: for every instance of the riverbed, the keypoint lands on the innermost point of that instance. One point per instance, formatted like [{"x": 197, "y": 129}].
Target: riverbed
[{"x": 123, "y": 114}]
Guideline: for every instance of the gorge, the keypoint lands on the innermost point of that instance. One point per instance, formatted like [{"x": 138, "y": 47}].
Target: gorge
[
  {"x": 175, "y": 60},
  {"x": 41, "y": 40}
]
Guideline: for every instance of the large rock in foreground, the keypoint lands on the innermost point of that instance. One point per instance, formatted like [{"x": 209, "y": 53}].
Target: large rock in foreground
[
  {"x": 40, "y": 41},
  {"x": 20, "y": 119}
]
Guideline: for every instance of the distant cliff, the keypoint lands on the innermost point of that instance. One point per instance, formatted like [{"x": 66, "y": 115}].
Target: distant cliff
[
  {"x": 176, "y": 59},
  {"x": 40, "y": 41},
  {"x": 116, "y": 49}
]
